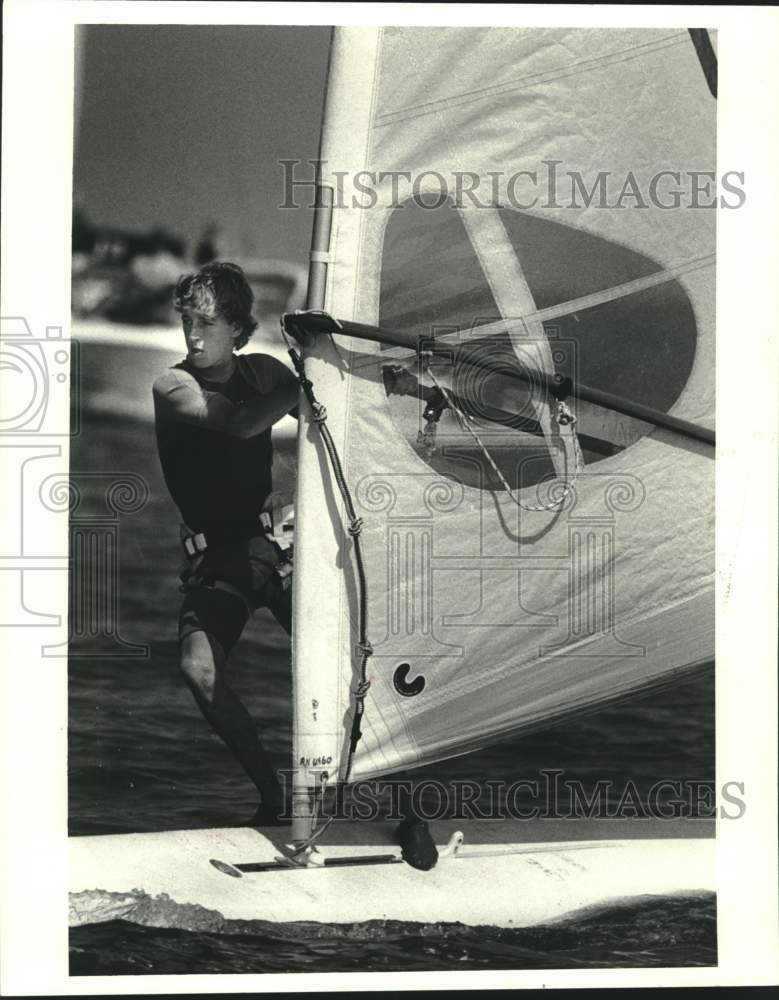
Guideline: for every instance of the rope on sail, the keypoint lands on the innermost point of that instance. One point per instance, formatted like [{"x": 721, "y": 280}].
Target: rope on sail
[
  {"x": 564, "y": 417},
  {"x": 302, "y": 856},
  {"x": 363, "y": 648}
]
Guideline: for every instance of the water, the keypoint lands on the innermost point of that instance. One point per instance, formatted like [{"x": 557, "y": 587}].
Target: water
[
  {"x": 645, "y": 935},
  {"x": 141, "y": 758}
]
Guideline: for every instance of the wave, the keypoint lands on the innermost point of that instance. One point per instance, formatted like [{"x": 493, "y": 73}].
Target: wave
[{"x": 96, "y": 906}]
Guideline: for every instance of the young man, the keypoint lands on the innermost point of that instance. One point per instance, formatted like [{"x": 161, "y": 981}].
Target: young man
[{"x": 213, "y": 416}]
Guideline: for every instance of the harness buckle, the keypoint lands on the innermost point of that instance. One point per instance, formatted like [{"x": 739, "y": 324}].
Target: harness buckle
[
  {"x": 194, "y": 544},
  {"x": 276, "y": 522}
]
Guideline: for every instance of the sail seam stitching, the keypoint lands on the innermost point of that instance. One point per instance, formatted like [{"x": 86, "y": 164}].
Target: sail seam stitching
[
  {"x": 586, "y": 66},
  {"x": 494, "y": 676}
]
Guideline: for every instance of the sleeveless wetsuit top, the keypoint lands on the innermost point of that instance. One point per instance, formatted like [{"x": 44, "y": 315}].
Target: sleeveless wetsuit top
[{"x": 218, "y": 481}]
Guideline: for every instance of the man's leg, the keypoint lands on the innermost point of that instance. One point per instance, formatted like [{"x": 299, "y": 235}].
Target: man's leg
[{"x": 203, "y": 663}]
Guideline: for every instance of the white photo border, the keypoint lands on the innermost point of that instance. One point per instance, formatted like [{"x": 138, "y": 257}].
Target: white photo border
[{"x": 38, "y": 80}]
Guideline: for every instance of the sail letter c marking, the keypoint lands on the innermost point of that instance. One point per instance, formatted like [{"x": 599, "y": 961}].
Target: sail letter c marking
[{"x": 399, "y": 680}]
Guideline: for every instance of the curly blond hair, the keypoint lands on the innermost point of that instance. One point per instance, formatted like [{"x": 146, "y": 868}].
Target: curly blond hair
[{"x": 222, "y": 289}]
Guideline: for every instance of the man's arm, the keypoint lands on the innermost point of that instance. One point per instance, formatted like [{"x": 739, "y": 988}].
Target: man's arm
[
  {"x": 269, "y": 372},
  {"x": 178, "y": 397}
]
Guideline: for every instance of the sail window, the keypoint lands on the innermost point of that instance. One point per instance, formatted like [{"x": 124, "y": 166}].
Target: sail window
[
  {"x": 605, "y": 316},
  {"x": 630, "y": 329},
  {"x": 432, "y": 285}
]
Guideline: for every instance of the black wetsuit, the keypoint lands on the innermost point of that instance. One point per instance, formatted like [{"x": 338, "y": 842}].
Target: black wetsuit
[{"x": 219, "y": 482}]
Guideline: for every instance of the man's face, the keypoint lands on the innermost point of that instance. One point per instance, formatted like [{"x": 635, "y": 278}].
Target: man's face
[{"x": 210, "y": 338}]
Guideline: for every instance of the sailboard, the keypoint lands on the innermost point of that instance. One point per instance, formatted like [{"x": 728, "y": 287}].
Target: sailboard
[
  {"x": 520, "y": 566},
  {"x": 206, "y": 879}
]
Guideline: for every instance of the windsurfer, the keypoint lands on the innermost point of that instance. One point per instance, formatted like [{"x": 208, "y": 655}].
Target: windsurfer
[{"x": 213, "y": 416}]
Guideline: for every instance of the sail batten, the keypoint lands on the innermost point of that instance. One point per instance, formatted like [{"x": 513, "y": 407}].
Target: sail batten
[
  {"x": 660, "y": 277},
  {"x": 486, "y": 93}
]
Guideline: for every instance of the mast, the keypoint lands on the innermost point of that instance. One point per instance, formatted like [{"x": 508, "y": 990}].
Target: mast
[{"x": 321, "y": 540}]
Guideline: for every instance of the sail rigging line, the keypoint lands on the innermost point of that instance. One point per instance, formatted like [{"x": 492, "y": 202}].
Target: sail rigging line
[
  {"x": 316, "y": 321},
  {"x": 363, "y": 647},
  {"x": 564, "y": 417},
  {"x": 301, "y": 856}
]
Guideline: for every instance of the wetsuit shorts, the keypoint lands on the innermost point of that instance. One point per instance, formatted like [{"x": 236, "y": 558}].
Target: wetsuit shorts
[{"x": 228, "y": 584}]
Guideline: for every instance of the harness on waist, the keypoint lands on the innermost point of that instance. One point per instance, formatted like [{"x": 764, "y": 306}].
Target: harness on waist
[
  {"x": 274, "y": 523},
  {"x": 194, "y": 544}
]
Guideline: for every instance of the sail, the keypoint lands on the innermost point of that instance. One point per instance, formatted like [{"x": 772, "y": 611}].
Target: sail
[{"x": 535, "y": 199}]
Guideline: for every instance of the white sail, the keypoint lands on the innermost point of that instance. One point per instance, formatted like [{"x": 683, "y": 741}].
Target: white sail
[{"x": 487, "y": 619}]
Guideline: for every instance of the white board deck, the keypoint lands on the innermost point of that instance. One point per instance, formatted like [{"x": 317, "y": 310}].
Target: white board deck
[{"x": 491, "y": 880}]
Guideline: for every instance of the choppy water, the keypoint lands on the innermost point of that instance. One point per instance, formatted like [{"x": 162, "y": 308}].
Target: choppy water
[
  {"x": 649, "y": 934},
  {"x": 142, "y": 758}
]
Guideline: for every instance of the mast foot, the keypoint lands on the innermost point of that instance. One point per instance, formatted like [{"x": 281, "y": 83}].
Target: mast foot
[{"x": 417, "y": 846}]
